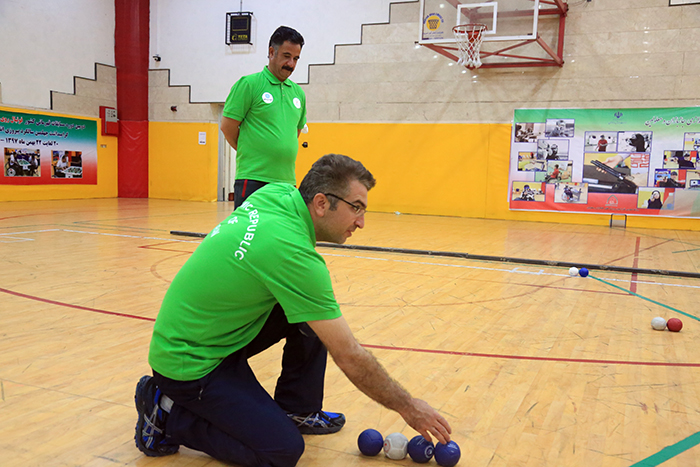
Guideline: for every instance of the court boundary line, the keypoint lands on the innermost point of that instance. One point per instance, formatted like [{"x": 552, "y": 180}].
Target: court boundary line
[
  {"x": 669, "y": 452},
  {"x": 384, "y": 347},
  {"x": 69, "y": 305},
  {"x": 532, "y": 358},
  {"x": 508, "y": 259},
  {"x": 502, "y": 259},
  {"x": 645, "y": 298},
  {"x": 512, "y": 271}
]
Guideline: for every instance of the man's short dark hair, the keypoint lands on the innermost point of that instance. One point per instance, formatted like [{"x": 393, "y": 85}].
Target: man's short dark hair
[
  {"x": 283, "y": 34},
  {"x": 333, "y": 173}
]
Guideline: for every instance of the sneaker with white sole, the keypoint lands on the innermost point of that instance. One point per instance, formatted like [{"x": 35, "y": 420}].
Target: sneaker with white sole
[
  {"x": 318, "y": 423},
  {"x": 150, "y": 427}
]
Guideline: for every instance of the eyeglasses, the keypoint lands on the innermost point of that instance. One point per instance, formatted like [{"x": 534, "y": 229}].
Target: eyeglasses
[{"x": 359, "y": 210}]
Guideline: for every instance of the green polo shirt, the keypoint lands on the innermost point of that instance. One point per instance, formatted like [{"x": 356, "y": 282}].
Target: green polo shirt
[
  {"x": 262, "y": 254},
  {"x": 271, "y": 112}
]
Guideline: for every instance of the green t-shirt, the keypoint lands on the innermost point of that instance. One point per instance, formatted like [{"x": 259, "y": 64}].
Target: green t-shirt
[
  {"x": 262, "y": 254},
  {"x": 271, "y": 112}
]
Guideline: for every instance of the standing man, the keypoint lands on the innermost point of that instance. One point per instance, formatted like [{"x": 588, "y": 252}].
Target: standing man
[
  {"x": 262, "y": 118},
  {"x": 254, "y": 280},
  {"x": 602, "y": 144}
]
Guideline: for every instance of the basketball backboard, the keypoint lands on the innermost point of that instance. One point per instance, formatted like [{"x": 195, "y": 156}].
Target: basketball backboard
[{"x": 510, "y": 24}]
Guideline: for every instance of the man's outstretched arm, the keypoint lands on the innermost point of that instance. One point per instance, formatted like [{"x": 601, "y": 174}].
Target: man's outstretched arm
[{"x": 365, "y": 372}]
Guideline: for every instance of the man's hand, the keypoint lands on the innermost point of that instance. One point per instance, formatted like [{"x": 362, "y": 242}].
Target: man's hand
[
  {"x": 613, "y": 161},
  {"x": 426, "y": 421}
]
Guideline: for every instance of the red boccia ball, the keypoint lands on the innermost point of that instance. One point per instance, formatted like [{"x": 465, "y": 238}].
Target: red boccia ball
[{"x": 674, "y": 324}]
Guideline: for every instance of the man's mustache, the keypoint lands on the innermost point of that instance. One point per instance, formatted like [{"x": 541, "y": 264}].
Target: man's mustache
[{"x": 288, "y": 68}]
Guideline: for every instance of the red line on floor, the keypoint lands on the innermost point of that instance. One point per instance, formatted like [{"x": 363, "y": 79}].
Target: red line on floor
[
  {"x": 77, "y": 307},
  {"x": 384, "y": 347},
  {"x": 523, "y": 357},
  {"x": 644, "y": 249},
  {"x": 633, "y": 279}
]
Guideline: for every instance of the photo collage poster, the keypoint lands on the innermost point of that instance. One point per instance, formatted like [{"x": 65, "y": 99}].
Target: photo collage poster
[
  {"x": 612, "y": 161},
  {"x": 46, "y": 150}
]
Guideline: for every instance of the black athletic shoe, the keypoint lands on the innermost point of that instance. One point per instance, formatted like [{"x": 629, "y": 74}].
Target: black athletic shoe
[
  {"x": 318, "y": 423},
  {"x": 150, "y": 427}
]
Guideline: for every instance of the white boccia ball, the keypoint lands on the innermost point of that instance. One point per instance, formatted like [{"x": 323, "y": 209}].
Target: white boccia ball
[
  {"x": 573, "y": 271},
  {"x": 658, "y": 323},
  {"x": 396, "y": 446}
]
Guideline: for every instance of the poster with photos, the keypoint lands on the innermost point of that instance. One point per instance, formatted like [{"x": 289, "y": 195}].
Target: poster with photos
[
  {"x": 612, "y": 161},
  {"x": 40, "y": 149}
]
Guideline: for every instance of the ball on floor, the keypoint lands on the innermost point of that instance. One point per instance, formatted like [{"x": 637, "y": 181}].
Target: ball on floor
[
  {"x": 674, "y": 324},
  {"x": 583, "y": 272},
  {"x": 420, "y": 449},
  {"x": 448, "y": 454},
  {"x": 573, "y": 271},
  {"x": 370, "y": 442},
  {"x": 658, "y": 323},
  {"x": 396, "y": 446}
]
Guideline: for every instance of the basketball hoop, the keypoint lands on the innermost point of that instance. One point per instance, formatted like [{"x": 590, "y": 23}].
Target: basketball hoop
[{"x": 469, "y": 37}]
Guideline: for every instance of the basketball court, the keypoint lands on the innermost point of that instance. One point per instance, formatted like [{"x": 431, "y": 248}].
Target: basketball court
[{"x": 530, "y": 365}]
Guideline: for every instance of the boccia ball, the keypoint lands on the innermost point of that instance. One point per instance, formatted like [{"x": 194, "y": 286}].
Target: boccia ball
[
  {"x": 420, "y": 449},
  {"x": 396, "y": 446},
  {"x": 658, "y": 323},
  {"x": 448, "y": 454},
  {"x": 674, "y": 324},
  {"x": 370, "y": 442},
  {"x": 583, "y": 272},
  {"x": 573, "y": 271}
]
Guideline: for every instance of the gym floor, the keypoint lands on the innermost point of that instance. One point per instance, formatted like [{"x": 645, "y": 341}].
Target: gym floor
[{"x": 530, "y": 366}]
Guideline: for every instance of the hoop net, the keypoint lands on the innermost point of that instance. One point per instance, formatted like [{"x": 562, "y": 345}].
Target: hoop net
[{"x": 469, "y": 37}]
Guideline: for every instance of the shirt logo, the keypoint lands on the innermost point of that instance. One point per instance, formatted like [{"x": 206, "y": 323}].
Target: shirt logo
[
  {"x": 297, "y": 103},
  {"x": 267, "y": 98}
]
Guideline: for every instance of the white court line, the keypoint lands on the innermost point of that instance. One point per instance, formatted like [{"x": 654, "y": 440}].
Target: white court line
[
  {"x": 29, "y": 232},
  {"x": 16, "y": 240},
  {"x": 94, "y": 233},
  {"x": 11, "y": 235},
  {"x": 130, "y": 236},
  {"x": 515, "y": 270}
]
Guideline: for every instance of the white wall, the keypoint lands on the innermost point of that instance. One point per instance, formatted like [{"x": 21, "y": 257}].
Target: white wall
[
  {"x": 190, "y": 37},
  {"x": 617, "y": 53},
  {"x": 47, "y": 42}
]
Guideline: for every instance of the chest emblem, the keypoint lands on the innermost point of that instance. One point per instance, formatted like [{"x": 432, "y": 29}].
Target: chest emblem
[
  {"x": 267, "y": 98},
  {"x": 297, "y": 103}
]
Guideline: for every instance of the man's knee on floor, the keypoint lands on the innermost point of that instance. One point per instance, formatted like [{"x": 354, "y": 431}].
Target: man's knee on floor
[{"x": 285, "y": 454}]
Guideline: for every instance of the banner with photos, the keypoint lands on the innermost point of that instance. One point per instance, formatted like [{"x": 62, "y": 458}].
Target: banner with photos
[
  {"x": 611, "y": 161},
  {"x": 45, "y": 150}
]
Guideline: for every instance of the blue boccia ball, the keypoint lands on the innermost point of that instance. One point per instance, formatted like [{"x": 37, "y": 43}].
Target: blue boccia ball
[
  {"x": 420, "y": 449},
  {"x": 448, "y": 454},
  {"x": 370, "y": 442},
  {"x": 583, "y": 272}
]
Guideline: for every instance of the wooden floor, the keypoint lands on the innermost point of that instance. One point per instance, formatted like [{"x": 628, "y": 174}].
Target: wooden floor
[{"x": 531, "y": 367}]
